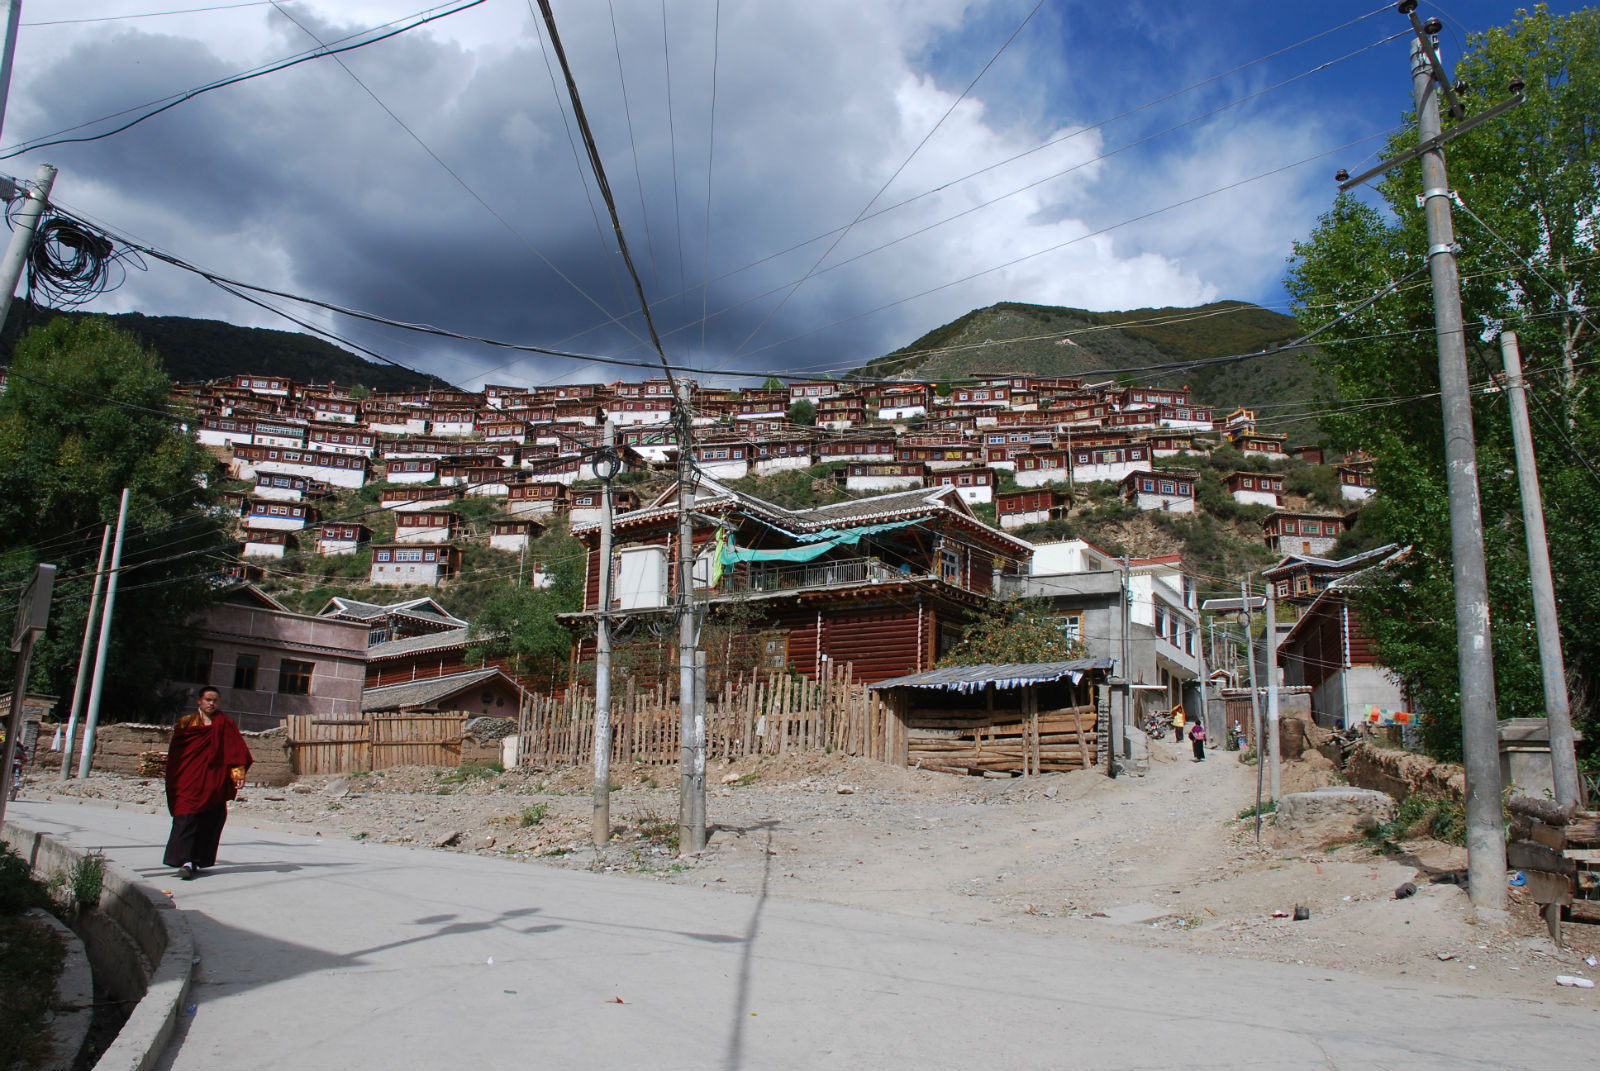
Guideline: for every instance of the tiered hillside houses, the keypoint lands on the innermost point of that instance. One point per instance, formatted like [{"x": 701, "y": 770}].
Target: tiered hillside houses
[{"x": 886, "y": 580}]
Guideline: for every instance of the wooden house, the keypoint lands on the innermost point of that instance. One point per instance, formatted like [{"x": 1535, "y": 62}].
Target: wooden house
[
  {"x": 886, "y": 583},
  {"x": 514, "y": 536},
  {"x": 887, "y": 475},
  {"x": 1017, "y": 509},
  {"x": 341, "y": 470},
  {"x": 409, "y": 564},
  {"x": 1329, "y": 651},
  {"x": 393, "y": 621},
  {"x": 1169, "y": 490},
  {"x": 426, "y": 526},
  {"x": 853, "y": 448},
  {"x": 536, "y": 499},
  {"x": 1256, "y": 488},
  {"x": 411, "y": 470},
  {"x": 406, "y": 499},
  {"x": 267, "y": 544},
  {"x": 340, "y": 538},
  {"x": 583, "y": 506},
  {"x": 341, "y": 439},
  {"x": 974, "y": 485},
  {"x": 1303, "y": 533},
  {"x": 1355, "y": 481},
  {"x": 1299, "y": 578},
  {"x": 266, "y": 515}
]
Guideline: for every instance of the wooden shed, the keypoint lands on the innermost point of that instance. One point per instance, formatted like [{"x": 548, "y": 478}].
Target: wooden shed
[{"x": 1010, "y": 719}]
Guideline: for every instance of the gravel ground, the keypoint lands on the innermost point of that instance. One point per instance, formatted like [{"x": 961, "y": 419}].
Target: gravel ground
[{"x": 1154, "y": 860}]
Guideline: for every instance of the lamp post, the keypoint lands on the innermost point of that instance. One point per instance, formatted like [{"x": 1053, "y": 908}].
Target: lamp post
[{"x": 606, "y": 463}]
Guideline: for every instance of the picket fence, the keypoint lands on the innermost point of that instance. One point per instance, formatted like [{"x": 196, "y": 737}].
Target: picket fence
[{"x": 753, "y": 715}]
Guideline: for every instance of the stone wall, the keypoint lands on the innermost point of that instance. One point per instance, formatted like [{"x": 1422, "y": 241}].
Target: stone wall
[
  {"x": 117, "y": 749},
  {"x": 1400, "y": 773}
]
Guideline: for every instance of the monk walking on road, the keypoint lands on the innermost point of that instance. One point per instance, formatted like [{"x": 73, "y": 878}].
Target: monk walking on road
[{"x": 206, "y": 762}]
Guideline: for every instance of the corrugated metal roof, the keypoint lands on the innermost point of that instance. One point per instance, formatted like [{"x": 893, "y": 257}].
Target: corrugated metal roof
[
  {"x": 1006, "y": 675},
  {"x": 426, "y": 691}
]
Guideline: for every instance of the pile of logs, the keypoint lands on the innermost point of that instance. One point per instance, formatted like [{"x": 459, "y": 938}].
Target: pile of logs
[
  {"x": 974, "y": 742},
  {"x": 1541, "y": 835},
  {"x": 152, "y": 764}
]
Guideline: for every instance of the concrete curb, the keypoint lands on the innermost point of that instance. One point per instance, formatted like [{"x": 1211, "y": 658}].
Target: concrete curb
[
  {"x": 75, "y": 991},
  {"x": 160, "y": 960}
]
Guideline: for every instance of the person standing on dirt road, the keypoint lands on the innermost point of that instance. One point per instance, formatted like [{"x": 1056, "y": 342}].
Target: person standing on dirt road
[
  {"x": 1197, "y": 737},
  {"x": 1179, "y": 716},
  {"x": 206, "y": 763}
]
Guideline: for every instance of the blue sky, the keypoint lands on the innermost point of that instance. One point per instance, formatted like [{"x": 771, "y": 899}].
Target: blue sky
[{"x": 846, "y": 192}]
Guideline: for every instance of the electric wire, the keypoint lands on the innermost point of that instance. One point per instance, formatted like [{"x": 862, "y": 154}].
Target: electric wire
[
  {"x": 890, "y": 180},
  {"x": 148, "y": 14},
  {"x": 41, "y": 143}
]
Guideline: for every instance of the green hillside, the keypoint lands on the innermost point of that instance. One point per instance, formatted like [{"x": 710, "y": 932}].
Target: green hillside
[
  {"x": 193, "y": 350},
  {"x": 1139, "y": 344}
]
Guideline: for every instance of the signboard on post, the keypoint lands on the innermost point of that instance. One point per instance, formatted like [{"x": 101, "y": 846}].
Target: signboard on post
[{"x": 33, "y": 614}]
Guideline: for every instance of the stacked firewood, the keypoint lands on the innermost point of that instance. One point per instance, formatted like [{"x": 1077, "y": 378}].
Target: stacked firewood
[
  {"x": 152, "y": 764},
  {"x": 1541, "y": 836},
  {"x": 972, "y": 742}
]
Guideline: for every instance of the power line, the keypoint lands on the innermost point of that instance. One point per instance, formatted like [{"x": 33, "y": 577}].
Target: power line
[{"x": 30, "y": 146}]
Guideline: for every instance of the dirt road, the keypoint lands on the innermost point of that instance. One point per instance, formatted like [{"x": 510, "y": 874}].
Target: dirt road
[{"x": 1158, "y": 860}]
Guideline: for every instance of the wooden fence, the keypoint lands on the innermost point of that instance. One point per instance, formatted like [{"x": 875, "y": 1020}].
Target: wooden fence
[
  {"x": 373, "y": 742},
  {"x": 753, "y": 715}
]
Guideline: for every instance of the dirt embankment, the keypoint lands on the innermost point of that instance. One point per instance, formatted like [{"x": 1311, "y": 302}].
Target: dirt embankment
[{"x": 1154, "y": 860}]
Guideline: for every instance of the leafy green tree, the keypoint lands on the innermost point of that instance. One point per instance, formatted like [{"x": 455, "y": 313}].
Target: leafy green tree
[
  {"x": 1530, "y": 198},
  {"x": 773, "y": 383},
  {"x": 518, "y": 623},
  {"x": 803, "y": 413},
  {"x": 1014, "y": 632},
  {"x": 85, "y": 413}
]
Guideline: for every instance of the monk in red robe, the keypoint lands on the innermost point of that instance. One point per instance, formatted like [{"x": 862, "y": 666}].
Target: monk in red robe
[{"x": 206, "y": 763}]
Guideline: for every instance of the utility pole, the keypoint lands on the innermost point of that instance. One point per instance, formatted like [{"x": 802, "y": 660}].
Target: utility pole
[
  {"x": 33, "y": 616},
  {"x": 691, "y": 729},
  {"x": 79, "y": 688},
  {"x": 13, "y": 17},
  {"x": 1558, "y": 712},
  {"x": 1255, "y": 697},
  {"x": 1119, "y": 716},
  {"x": 1205, "y": 706},
  {"x": 92, "y": 719},
  {"x": 1480, "y": 740},
  {"x": 1272, "y": 691},
  {"x": 605, "y": 464},
  {"x": 37, "y": 195}
]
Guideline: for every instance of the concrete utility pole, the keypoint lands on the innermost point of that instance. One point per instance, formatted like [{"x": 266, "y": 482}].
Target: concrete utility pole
[
  {"x": 606, "y": 464},
  {"x": 38, "y": 195},
  {"x": 691, "y": 723},
  {"x": 1480, "y": 740},
  {"x": 1272, "y": 691},
  {"x": 81, "y": 685},
  {"x": 1255, "y": 697},
  {"x": 1558, "y": 712},
  {"x": 87, "y": 755},
  {"x": 13, "y": 17},
  {"x": 1121, "y": 711}
]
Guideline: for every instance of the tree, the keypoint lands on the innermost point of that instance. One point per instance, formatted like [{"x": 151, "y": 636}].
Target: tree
[
  {"x": 773, "y": 383},
  {"x": 85, "y": 414},
  {"x": 1530, "y": 197},
  {"x": 803, "y": 413},
  {"x": 518, "y": 623},
  {"x": 1014, "y": 632}
]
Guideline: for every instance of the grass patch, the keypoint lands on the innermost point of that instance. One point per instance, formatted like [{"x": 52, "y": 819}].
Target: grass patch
[
  {"x": 532, "y": 816},
  {"x": 1421, "y": 815},
  {"x": 29, "y": 965},
  {"x": 472, "y": 771},
  {"x": 1267, "y": 807},
  {"x": 656, "y": 828},
  {"x": 88, "y": 881}
]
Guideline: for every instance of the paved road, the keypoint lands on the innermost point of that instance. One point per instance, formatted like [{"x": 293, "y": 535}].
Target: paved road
[{"x": 345, "y": 955}]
